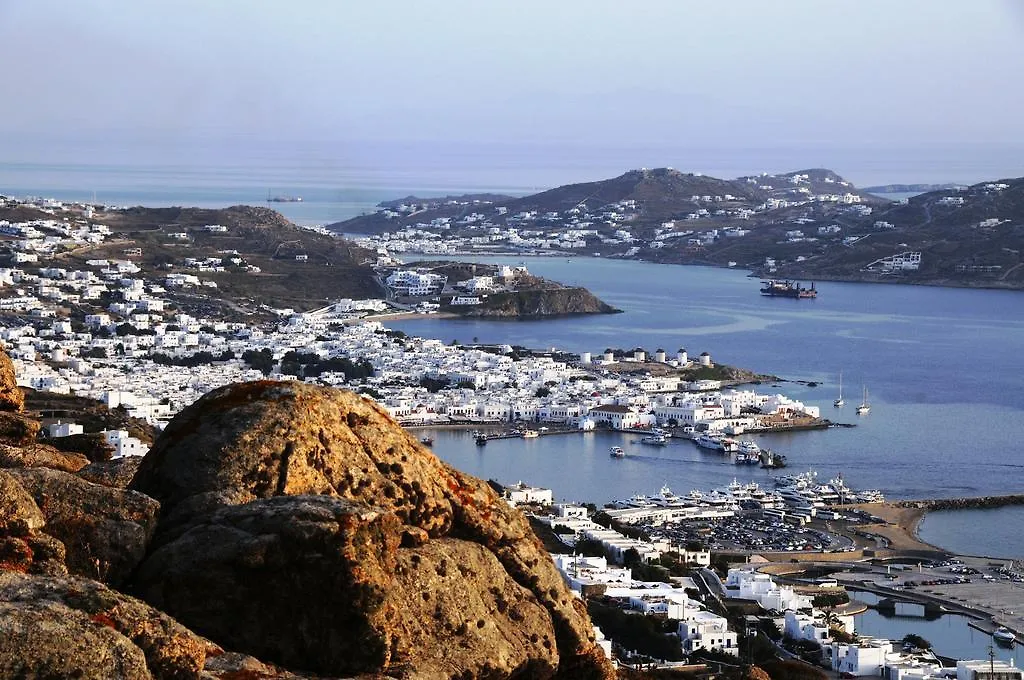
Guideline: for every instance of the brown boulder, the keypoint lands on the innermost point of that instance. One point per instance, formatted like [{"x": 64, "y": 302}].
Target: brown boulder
[
  {"x": 257, "y": 440},
  {"x": 11, "y": 396},
  {"x": 105, "y": 530},
  {"x": 40, "y": 455},
  {"x": 117, "y": 472},
  {"x": 19, "y": 513},
  {"x": 22, "y": 545},
  {"x": 18, "y": 428},
  {"x": 321, "y": 584},
  {"x": 76, "y": 628}
]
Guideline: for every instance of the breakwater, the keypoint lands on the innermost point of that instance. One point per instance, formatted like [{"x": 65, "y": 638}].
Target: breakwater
[{"x": 964, "y": 503}]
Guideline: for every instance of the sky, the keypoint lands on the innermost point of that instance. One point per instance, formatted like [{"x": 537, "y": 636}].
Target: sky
[{"x": 591, "y": 78}]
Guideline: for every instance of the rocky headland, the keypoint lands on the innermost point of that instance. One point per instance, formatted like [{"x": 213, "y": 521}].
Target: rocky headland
[{"x": 275, "y": 530}]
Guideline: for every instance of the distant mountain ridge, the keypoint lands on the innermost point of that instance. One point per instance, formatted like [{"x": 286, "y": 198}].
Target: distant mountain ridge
[
  {"x": 662, "y": 194},
  {"x": 910, "y": 188},
  {"x": 809, "y": 224}
]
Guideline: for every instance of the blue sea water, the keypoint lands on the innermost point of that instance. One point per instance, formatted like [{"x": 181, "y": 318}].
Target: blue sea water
[{"x": 942, "y": 368}]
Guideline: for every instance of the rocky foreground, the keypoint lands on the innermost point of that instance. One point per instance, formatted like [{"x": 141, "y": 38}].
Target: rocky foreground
[{"x": 275, "y": 530}]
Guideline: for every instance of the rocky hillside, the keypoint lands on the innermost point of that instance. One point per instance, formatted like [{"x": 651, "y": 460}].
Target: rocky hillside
[
  {"x": 659, "y": 194},
  {"x": 537, "y": 303},
  {"x": 275, "y": 530},
  {"x": 972, "y": 236},
  {"x": 266, "y": 259}
]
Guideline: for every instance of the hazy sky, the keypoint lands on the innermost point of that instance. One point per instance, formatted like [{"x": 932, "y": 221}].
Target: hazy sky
[{"x": 718, "y": 73}]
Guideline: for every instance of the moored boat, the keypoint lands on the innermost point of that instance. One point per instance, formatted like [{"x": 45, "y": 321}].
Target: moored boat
[
  {"x": 1004, "y": 636},
  {"x": 787, "y": 289},
  {"x": 864, "y": 406},
  {"x": 655, "y": 440},
  {"x": 708, "y": 441}
]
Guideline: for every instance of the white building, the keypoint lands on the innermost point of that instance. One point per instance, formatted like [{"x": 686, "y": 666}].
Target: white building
[
  {"x": 751, "y": 585},
  {"x": 523, "y": 494},
  {"x": 866, "y": 657},
  {"x": 704, "y": 630},
  {"x": 124, "y": 444}
]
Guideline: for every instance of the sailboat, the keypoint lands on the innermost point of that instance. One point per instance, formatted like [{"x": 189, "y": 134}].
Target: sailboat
[
  {"x": 838, "y": 403},
  {"x": 864, "y": 405}
]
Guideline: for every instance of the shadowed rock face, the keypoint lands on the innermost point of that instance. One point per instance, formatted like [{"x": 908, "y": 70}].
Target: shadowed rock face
[
  {"x": 116, "y": 473},
  {"x": 104, "y": 530},
  {"x": 453, "y": 582},
  {"x": 23, "y": 546},
  {"x": 76, "y": 628},
  {"x": 11, "y": 396}
]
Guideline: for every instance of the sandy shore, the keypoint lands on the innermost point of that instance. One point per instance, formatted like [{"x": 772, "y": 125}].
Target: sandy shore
[{"x": 900, "y": 528}]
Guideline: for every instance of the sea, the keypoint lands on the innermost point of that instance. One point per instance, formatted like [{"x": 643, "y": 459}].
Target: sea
[{"x": 941, "y": 367}]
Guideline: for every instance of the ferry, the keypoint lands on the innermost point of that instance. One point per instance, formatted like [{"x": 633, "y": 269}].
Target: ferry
[
  {"x": 787, "y": 289},
  {"x": 617, "y": 452}
]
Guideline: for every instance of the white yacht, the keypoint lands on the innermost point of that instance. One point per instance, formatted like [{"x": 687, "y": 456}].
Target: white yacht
[
  {"x": 708, "y": 441},
  {"x": 1004, "y": 635},
  {"x": 864, "y": 407},
  {"x": 655, "y": 440},
  {"x": 617, "y": 452}
]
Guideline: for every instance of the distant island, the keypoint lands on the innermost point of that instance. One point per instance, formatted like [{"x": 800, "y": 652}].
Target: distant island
[
  {"x": 808, "y": 224},
  {"x": 911, "y": 188}
]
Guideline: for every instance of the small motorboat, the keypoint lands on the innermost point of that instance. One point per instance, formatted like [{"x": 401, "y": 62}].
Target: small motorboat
[{"x": 1004, "y": 636}]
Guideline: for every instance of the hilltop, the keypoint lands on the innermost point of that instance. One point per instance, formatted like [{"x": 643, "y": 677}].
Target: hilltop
[
  {"x": 657, "y": 195},
  {"x": 256, "y": 257}
]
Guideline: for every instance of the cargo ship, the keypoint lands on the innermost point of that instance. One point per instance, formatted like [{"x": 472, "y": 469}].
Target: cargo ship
[{"x": 788, "y": 289}]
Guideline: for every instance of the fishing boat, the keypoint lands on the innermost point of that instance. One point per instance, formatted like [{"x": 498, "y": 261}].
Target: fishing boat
[
  {"x": 838, "y": 403},
  {"x": 617, "y": 452},
  {"x": 864, "y": 406}
]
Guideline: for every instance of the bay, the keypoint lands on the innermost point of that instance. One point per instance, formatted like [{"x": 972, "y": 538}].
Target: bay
[
  {"x": 989, "y": 532},
  {"x": 942, "y": 367}
]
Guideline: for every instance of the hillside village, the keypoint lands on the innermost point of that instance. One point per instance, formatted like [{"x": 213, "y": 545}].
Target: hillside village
[
  {"x": 810, "y": 224},
  {"x": 109, "y": 331}
]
